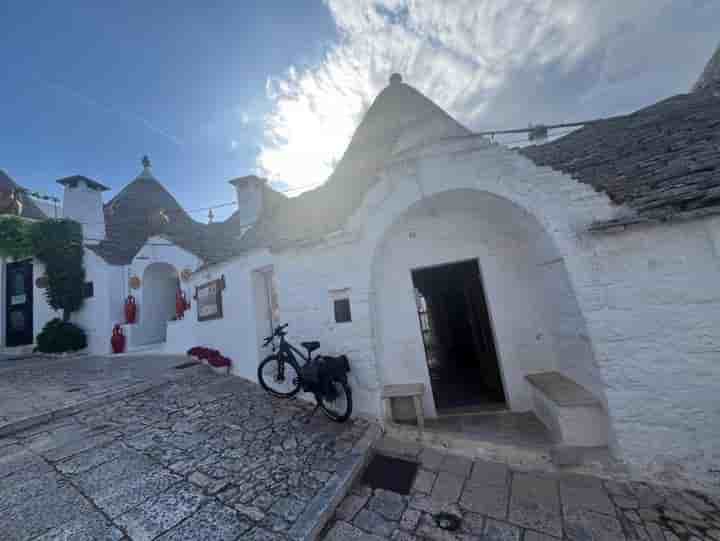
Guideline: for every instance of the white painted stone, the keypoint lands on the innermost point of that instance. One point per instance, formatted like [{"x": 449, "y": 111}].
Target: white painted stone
[{"x": 633, "y": 316}]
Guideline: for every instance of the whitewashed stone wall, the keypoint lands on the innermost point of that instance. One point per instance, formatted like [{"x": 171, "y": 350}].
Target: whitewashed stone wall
[
  {"x": 633, "y": 316},
  {"x": 655, "y": 324}
]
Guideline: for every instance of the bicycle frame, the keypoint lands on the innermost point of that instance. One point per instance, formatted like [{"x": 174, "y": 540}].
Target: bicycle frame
[{"x": 288, "y": 351}]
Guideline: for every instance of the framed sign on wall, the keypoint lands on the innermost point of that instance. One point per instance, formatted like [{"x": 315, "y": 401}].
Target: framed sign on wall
[{"x": 209, "y": 300}]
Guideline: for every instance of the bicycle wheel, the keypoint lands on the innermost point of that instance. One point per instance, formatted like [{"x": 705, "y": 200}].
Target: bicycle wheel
[
  {"x": 279, "y": 377},
  {"x": 340, "y": 408}
]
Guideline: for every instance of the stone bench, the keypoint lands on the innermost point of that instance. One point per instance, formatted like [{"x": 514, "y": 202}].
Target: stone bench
[
  {"x": 414, "y": 391},
  {"x": 572, "y": 414}
]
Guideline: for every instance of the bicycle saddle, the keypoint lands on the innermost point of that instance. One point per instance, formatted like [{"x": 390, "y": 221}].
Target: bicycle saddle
[{"x": 310, "y": 346}]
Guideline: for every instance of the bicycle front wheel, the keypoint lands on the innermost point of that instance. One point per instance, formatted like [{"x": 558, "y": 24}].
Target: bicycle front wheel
[
  {"x": 340, "y": 407},
  {"x": 279, "y": 377}
]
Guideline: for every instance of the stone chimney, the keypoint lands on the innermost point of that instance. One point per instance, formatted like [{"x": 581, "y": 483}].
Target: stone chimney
[
  {"x": 250, "y": 192},
  {"x": 82, "y": 202},
  {"x": 710, "y": 77}
]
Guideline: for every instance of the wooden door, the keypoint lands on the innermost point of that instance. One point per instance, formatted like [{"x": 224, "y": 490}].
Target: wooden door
[{"x": 19, "y": 303}]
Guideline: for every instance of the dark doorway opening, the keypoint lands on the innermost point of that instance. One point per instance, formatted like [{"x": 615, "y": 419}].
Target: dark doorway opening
[
  {"x": 458, "y": 337},
  {"x": 19, "y": 303}
]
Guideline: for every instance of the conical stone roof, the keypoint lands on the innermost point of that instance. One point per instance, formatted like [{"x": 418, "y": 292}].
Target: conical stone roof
[{"x": 710, "y": 77}]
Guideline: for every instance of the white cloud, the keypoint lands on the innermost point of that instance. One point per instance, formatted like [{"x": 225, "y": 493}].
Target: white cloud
[{"x": 489, "y": 63}]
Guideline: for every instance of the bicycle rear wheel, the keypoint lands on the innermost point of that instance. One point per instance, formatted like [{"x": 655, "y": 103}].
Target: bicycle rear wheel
[
  {"x": 279, "y": 377},
  {"x": 340, "y": 408}
]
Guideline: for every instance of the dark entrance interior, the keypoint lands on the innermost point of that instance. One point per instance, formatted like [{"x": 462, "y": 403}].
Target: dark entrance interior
[
  {"x": 458, "y": 337},
  {"x": 19, "y": 302}
]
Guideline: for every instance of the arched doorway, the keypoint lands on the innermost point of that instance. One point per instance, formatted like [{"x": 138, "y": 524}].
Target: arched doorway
[
  {"x": 159, "y": 287},
  {"x": 470, "y": 296}
]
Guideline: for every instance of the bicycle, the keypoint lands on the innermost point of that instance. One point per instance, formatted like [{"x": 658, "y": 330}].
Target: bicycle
[{"x": 281, "y": 375}]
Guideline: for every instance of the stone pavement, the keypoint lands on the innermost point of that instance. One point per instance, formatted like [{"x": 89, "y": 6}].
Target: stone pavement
[
  {"x": 35, "y": 385},
  {"x": 204, "y": 457},
  {"x": 497, "y": 503}
]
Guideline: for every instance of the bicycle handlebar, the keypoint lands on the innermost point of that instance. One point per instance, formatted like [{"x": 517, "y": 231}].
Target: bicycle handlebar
[{"x": 279, "y": 331}]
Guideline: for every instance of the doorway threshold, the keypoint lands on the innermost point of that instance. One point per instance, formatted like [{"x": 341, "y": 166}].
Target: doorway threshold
[
  {"x": 512, "y": 437},
  {"x": 479, "y": 409}
]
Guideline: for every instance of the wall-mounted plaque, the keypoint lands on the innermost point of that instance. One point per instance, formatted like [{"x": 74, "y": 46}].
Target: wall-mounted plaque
[{"x": 209, "y": 300}]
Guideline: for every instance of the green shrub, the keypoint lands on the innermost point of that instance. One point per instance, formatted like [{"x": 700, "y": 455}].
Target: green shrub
[{"x": 59, "y": 336}]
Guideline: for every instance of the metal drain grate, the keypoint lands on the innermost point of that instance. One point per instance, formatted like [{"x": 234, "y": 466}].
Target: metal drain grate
[
  {"x": 186, "y": 365},
  {"x": 390, "y": 473}
]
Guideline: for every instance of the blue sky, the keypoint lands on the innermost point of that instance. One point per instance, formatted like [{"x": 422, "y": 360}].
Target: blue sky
[
  {"x": 277, "y": 87},
  {"x": 89, "y": 87}
]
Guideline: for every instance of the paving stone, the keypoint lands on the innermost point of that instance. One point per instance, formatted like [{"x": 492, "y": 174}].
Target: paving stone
[
  {"x": 213, "y": 521},
  {"x": 487, "y": 500},
  {"x": 158, "y": 515},
  {"x": 500, "y": 531},
  {"x": 342, "y": 531},
  {"x": 431, "y": 459},
  {"x": 424, "y": 481},
  {"x": 396, "y": 447},
  {"x": 534, "y": 503},
  {"x": 120, "y": 494},
  {"x": 459, "y": 465},
  {"x": 401, "y": 535},
  {"x": 585, "y": 525},
  {"x": 16, "y": 457},
  {"x": 489, "y": 473},
  {"x": 289, "y": 508},
  {"x": 53, "y": 502},
  {"x": 582, "y": 492},
  {"x": 91, "y": 458},
  {"x": 409, "y": 519},
  {"x": 261, "y": 534},
  {"x": 350, "y": 506},
  {"x": 374, "y": 523},
  {"x": 388, "y": 504},
  {"x": 447, "y": 488},
  {"x": 89, "y": 527},
  {"x": 252, "y": 513},
  {"x": 472, "y": 523},
  {"x": 536, "y": 536},
  {"x": 427, "y": 529}
]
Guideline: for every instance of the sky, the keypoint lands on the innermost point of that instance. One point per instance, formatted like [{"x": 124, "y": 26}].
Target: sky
[{"x": 216, "y": 90}]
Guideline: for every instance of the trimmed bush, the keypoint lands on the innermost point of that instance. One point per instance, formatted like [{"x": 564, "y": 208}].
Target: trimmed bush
[{"x": 59, "y": 336}]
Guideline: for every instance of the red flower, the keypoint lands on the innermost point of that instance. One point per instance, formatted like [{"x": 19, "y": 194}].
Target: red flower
[{"x": 212, "y": 356}]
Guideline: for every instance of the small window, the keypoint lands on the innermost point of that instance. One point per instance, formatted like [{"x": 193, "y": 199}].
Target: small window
[
  {"x": 342, "y": 311},
  {"x": 88, "y": 290}
]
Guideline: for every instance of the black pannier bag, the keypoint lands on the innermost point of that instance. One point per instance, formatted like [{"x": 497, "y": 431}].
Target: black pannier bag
[
  {"x": 310, "y": 374},
  {"x": 332, "y": 368}
]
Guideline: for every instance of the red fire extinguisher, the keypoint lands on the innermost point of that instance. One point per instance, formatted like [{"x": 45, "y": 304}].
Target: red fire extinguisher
[
  {"x": 117, "y": 341},
  {"x": 181, "y": 303},
  {"x": 130, "y": 310}
]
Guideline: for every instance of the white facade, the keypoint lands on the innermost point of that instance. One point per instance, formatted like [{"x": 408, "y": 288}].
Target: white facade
[{"x": 633, "y": 316}]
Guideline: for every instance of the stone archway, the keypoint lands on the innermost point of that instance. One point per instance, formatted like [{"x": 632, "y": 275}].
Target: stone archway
[
  {"x": 159, "y": 287},
  {"x": 536, "y": 322}
]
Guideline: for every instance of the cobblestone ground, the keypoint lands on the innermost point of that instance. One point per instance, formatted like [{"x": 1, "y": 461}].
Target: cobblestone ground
[
  {"x": 499, "y": 504},
  {"x": 36, "y": 384},
  {"x": 204, "y": 457}
]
